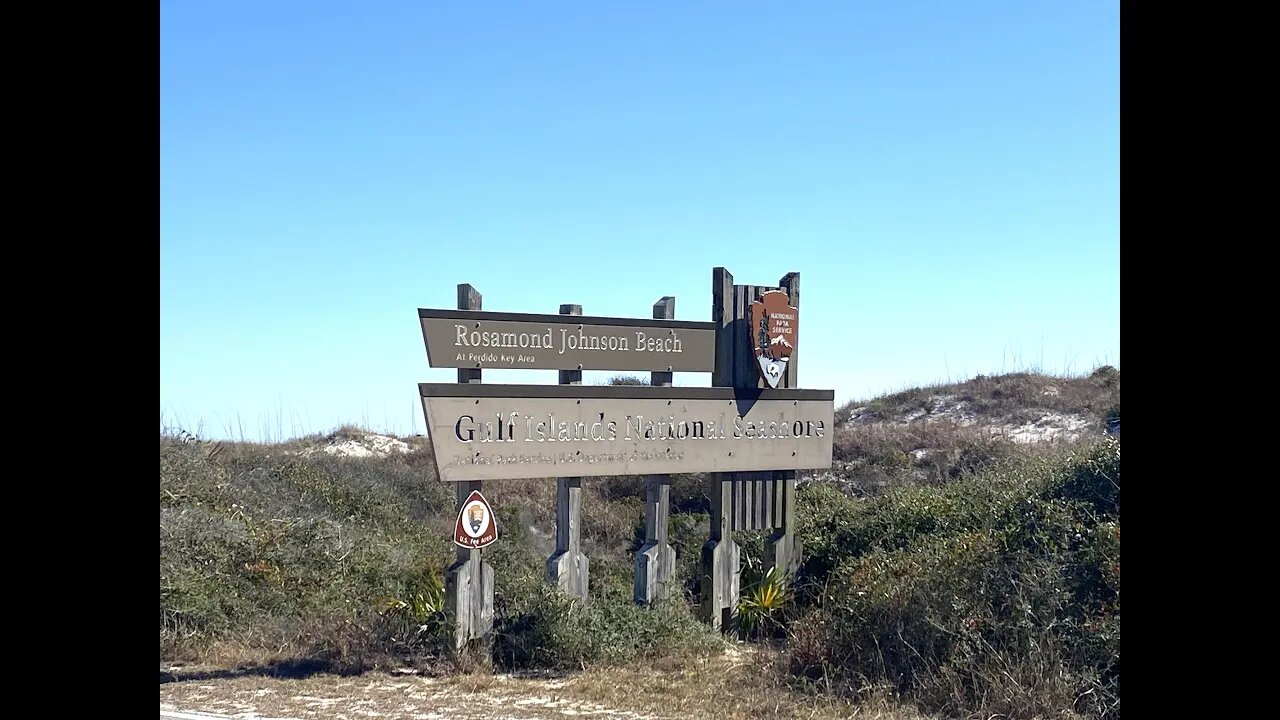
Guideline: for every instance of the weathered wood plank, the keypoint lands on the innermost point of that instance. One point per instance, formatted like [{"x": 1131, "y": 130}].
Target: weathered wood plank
[
  {"x": 767, "y": 523},
  {"x": 570, "y": 377},
  {"x": 744, "y": 373},
  {"x": 763, "y": 496},
  {"x": 759, "y": 522},
  {"x": 656, "y": 559},
  {"x": 720, "y": 555},
  {"x": 778, "y": 503},
  {"x": 784, "y": 549},
  {"x": 740, "y": 506},
  {"x": 722, "y": 316},
  {"x": 664, "y": 309},
  {"x": 469, "y": 580},
  {"x": 720, "y": 562},
  {"x": 469, "y": 299},
  {"x": 568, "y": 568}
]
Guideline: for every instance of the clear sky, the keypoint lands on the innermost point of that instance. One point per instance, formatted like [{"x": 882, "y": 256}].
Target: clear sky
[{"x": 944, "y": 176}]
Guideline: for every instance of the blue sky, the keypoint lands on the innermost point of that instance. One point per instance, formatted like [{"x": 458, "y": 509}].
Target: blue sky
[{"x": 944, "y": 176}]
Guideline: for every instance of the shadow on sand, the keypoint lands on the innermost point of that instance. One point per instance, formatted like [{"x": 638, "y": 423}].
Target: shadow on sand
[
  {"x": 300, "y": 669},
  {"x": 285, "y": 669}
]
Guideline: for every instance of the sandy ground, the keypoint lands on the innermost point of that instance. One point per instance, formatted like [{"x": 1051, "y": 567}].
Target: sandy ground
[
  {"x": 383, "y": 696},
  {"x": 1050, "y": 426},
  {"x": 733, "y": 685},
  {"x": 371, "y": 445}
]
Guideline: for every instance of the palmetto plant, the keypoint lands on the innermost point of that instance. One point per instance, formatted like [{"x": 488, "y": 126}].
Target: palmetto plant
[
  {"x": 763, "y": 601},
  {"x": 425, "y": 605},
  {"x": 424, "y": 608}
]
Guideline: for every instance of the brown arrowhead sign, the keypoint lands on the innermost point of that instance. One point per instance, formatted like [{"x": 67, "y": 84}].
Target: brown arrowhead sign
[
  {"x": 775, "y": 325},
  {"x": 477, "y": 526}
]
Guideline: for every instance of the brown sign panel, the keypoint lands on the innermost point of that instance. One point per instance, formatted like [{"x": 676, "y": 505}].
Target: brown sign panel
[
  {"x": 490, "y": 432},
  {"x": 475, "y": 339},
  {"x": 775, "y": 328},
  {"x": 477, "y": 526}
]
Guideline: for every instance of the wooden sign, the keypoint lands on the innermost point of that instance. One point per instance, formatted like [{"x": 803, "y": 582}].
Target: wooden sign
[
  {"x": 489, "y": 432},
  {"x": 475, "y": 339},
  {"x": 477, "y": 526},
  {"x": 775, "y": 327}
]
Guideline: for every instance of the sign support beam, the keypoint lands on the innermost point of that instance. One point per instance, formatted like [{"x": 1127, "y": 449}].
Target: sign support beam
[
  {"x": 744, "y": 500},
  {"x": 469, "y": 580},
  {"x": 656, "y": 559},
  {"x": 568, "y": 568}
]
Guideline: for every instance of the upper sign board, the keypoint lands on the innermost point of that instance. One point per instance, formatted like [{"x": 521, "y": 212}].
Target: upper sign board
[
  {"x": 490, "y": 432},
  {"x": 477, "y": 339}
]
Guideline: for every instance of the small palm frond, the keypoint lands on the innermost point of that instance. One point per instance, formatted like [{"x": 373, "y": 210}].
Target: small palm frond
[{"x": 764, "y": 599}]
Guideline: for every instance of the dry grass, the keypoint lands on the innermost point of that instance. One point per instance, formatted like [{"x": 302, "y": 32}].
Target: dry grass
[
  {"x": 934, "y": 435},
  {"x": 869, "y": 459},
  {"x": 1013, "y": 398},
  {"x": 740, "y": 684},
  {"x": 746, "y": 682}
]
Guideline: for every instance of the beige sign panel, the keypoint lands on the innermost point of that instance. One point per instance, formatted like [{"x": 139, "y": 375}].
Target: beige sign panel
[
  {"x": 490, "y": 432},
  {"x": 474, "y": 339}
]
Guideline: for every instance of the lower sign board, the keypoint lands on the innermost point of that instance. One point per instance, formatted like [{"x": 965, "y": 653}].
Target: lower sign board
[
  {"x": 476, "y": 527},
  {"x": 491, "y": 432}
]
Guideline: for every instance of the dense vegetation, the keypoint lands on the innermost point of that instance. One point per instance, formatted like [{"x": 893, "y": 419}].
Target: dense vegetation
[{"x": 956, "y": 568}]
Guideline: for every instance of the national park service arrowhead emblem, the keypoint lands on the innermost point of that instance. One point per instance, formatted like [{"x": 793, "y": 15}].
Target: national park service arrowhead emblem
[
  {"x": 476, "y": 527},
  {"x": 775, "y": 327}
]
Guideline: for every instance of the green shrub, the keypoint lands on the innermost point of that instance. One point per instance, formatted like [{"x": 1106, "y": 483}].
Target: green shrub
[
  {"x": 1106, "y": 375},
  {"x": 627, "y": 380},
  {"x": 557, "y": 631},
  {"x": 287, "y": 550},
  {"x": 825, "y": 519},
  {"x": 999, "y": 593}
]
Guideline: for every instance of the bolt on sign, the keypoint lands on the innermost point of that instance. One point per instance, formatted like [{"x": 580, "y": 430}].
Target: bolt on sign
[
  {"x": 478, "y": 339},
  {"x": 776, "y": 325},
  {"x": 490, "y": 432},
  {"x": 477, "y": 526}
]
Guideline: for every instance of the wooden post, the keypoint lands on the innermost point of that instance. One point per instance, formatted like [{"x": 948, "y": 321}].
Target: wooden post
[
  {"x": 783, "y": 549},
  {"x": 656, "y": 560},
  {"x": 568, "y": 568},
  {"x": 744, "y": 500},
  {"x": 720, "y": 555},
  {"x": 469, "y": 581}
]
